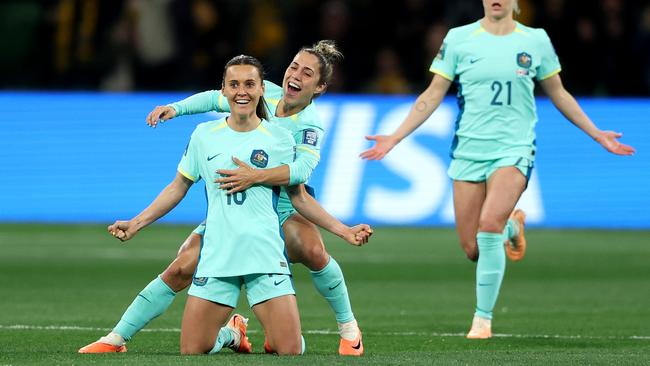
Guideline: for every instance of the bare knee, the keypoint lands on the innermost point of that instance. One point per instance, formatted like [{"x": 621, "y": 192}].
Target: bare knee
[
  {"x": 289, "y": 347},
  {"x": 315, "y": 257},
  {"x": 191, "y": 349},
  {"x": 490, "y": 225},
  {"x": 177, "y": 276}
]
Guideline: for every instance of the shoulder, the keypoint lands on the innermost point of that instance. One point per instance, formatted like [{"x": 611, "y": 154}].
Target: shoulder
[
  {"x": 209, "y": 126},
  {"x": 272, "y": 90},
  {"x": 276, "y": 132},
  {"x": 463, "y": 32},
  {"x": 309, "y": 118},
  {"x": 536, "y": 34}
]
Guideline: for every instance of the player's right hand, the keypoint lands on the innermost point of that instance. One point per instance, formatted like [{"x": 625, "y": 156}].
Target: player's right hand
[
  {"x": 383, "y": 144},
  {"x": 160, "y": 114},
  {"x": 123, "y": 230}
]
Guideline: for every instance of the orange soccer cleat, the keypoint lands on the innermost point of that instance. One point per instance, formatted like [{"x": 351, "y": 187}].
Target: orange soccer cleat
[
  {"x": 267, "y": 347},
  {"x": 351, "y": 348},
  {"x": 516, "y": 246},
  {"x": 100, "y": 347},
  {"x": 239, "y": 325}
]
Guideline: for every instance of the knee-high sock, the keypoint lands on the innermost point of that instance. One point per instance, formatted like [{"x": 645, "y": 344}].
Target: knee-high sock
[
  {"x": 330, "y": 283},
  {"x": 224, "y": 338},
  {"x": 152, "y": 301},
  {"x": 511, "y": 230},
  {"x": 489, "y": 272}
]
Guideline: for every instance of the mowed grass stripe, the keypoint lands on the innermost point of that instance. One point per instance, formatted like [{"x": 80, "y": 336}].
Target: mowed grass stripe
[{"x": 323, "y": 332}]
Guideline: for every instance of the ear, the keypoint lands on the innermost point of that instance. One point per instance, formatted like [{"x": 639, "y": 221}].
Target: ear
[{"x": 320, "y": 89}]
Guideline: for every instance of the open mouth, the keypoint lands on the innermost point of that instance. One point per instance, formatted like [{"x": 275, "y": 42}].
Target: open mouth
[
  {"x": 242, "y": 101},
  {"x": 293, "y": 87}
]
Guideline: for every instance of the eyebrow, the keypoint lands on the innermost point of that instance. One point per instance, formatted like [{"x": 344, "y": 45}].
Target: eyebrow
[{"x": 306, "y": 67}]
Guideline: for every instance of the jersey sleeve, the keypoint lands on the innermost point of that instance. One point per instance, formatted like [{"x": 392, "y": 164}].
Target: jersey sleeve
[
  {"x": 188, "y": 165},
  {"x": 286, "y": 149},
  {"x": 308, "y": 141},
  {"x": 550, "y": 63},
  {"x": 444, "y": 64},
  {"x": 211, "y": 100}
]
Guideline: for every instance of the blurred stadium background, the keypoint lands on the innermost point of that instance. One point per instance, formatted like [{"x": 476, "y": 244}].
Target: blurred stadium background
[{"x": 77, "y": 78}]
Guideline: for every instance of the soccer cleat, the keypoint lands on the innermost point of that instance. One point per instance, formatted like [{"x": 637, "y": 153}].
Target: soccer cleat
[
  {"x": 516, "y": 247},
  {"x": 481, "y": 328},
  {"x": 100, "y": 347},
  {"x": 351, "y": 348},
  {"x": 267, "y": 347},
  {"x": 239, "y": 324}
]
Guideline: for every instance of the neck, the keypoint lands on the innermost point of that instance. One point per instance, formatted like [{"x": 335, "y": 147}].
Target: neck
[
  {"x": 286, "y": 110},
  {"x": 498, "y": 26},
  {"x": 243, "y": 122}
]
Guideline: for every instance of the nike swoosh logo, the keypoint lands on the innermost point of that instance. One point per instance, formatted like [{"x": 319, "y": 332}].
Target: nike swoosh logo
[
  {"x": 335, "y": 286},
  {"x": 213, "y": 156},
  {"x": 475, "y": 60},
  {"x": 484, "y": 284},
  {"x": 358, "y": 345},
  {"x": 278, "y": 282}
]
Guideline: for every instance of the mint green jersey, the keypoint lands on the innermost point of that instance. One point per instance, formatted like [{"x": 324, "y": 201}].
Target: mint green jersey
[
  {"x": 305, "y": 126},
  {"x": 494, "y": 74},
  {"x": 242, "y": 234}
]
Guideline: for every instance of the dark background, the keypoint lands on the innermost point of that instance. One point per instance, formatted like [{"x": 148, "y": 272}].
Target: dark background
[{"x": 603, "y": 45}]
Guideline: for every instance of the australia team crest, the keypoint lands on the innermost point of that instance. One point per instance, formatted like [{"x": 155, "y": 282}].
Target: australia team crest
[
  {"x": 259, "y": 158},
  {"x": 524, "y": 60}
]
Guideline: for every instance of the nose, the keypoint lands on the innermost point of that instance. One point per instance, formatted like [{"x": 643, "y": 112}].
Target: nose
[{"x": 241, "y": 90}]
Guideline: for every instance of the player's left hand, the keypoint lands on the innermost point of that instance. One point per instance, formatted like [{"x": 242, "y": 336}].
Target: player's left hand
[
  {"x": 359, "y": 235},
  {"x": 237, "y": 180},
  {"x": 609, "y": 140}
]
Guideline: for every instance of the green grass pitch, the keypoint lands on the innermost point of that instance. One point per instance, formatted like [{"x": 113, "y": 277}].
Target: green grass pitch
[{"x": 579, "y": 297}]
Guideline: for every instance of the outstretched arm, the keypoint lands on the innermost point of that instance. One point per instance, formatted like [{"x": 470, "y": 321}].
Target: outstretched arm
[
  {"x": 570, "y": 108},
  {"x": 312, "y": 211},
  {"x": 423, "y": 107},
  {"x": 206, "y": 101},
  {"x": 167, "y": 199}
]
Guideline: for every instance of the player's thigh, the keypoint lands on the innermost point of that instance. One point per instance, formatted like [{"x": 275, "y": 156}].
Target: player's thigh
[
  {"x": 281, "y": 322},
  {"x": 468, "y": 201},
  {"x": 504, "y": 188},
  {"x": 202, "y": 320},
  {"x": 304, "y": 242},
  {"x": 178, "y": 275}
]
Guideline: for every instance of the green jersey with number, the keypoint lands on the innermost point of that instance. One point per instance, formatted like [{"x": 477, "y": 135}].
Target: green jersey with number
[
  {"x": 494, "y": 75},
  {"x": 242, "y": 234}
]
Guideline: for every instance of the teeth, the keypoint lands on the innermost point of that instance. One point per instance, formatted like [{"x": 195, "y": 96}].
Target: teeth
[
  {"x": 241, "y": 101},
  {"x": 294, "y": 85}
]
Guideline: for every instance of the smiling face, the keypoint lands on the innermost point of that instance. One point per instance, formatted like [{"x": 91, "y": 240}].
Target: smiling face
[
  {"x": 498, "y": 9},
  {"x": 242, "y": 87},
  {"x": 301, "y": 80}
]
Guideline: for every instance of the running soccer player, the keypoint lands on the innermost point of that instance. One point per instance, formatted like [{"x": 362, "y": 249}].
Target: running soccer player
[
  {"x": 291, "y": 107},
  {"x": 232, "y": 254},
  {"x": 494, "y": 62}
]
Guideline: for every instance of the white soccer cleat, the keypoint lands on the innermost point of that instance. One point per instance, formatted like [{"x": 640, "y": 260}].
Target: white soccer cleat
[{"x": 481, "y": 328}]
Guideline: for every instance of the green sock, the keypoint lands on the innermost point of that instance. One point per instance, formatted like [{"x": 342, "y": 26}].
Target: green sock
[
  {"x": 152, "y": 301},
  {"x": 330, "y": 283},
  {"x": 224, "y": 338},
  {"x": 489, "y": 272}
]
